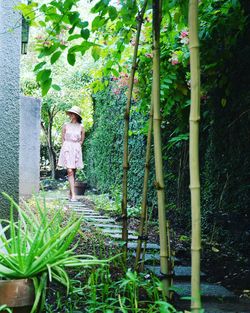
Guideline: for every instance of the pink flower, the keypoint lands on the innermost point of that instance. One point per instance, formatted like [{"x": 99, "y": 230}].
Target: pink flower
[
  {"x": 184, "y": 37},
  {"x": 132, "y": 41},
  {"x": 63, "y": 42},
  {"x": 184, "y": 33},
  {"x": 47, "y": 43},
  {"x": 116, "y": 91},
  {"x": 185, "y": 40},
  {"x": 39, "y": 37},
  {"x": 174, "y": 59}
]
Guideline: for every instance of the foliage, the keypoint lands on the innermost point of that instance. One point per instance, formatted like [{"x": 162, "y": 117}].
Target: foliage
[
  {"x": 224, "y": 39},
  {"x": 105, "y": 291},
  {"x": 39, "y": 248},
  {"x": 103, "y": 148},
  {"x": 80, "y": 175}
]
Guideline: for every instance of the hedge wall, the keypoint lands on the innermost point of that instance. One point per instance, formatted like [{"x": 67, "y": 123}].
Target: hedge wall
[{"x": 104, "y": 147}]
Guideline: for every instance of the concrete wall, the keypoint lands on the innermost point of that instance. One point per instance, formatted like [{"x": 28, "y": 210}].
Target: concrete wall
[
  {"x": 10, "y": 46},
  {"x": 29, "y": 157}
]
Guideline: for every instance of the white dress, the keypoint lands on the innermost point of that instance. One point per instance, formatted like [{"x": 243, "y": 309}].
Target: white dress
[{"x": 71, "y": 151}]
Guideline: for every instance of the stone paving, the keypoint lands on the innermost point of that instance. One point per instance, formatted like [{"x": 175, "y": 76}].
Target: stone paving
[{"x": 216, "y": 298}]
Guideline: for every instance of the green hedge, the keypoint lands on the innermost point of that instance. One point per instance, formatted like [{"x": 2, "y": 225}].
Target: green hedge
[{"x": 104, "y": 147}]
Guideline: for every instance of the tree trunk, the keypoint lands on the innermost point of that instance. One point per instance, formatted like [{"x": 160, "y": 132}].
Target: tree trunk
[
  {"x": 50, "y": 148},
  {"x": 194, "y": 155}
]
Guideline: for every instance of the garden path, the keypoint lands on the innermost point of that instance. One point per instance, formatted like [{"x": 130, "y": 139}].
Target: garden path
[{"x": 215, "y": 298}]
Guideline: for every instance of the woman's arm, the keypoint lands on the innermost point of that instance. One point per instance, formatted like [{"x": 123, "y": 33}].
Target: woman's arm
[{"x": 82, "y": 135}]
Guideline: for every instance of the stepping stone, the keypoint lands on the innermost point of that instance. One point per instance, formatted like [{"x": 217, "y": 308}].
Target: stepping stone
[
  {"x": 180, "y": 272},
  {"x": 116, "y": 231},
  {"x": 226, "y": 307},
  {"x": 87, "y": 214},
  {"x": 208, "y": 291},
  {"x": 108, "y": 226},
  {"x": 150, "y": 246},
  {"x": 100, "y": 220},
  {"x": 149, "y": 257},
  {"x": 119, "y": 236},
  {"x": 95, "y": 217}
]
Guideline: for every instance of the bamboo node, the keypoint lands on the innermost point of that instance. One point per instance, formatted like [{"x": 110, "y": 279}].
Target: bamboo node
[
  {"x": 195, "y": 120},
  {"x": 158, "y": 186},
  {"x": 194, "y": 187},
  {"x": 195, "y": 46},
  {"x": 163, "y": 276}
]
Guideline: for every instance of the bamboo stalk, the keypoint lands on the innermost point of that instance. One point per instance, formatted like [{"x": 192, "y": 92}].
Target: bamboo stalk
[
  {"x": 194, "y": 155},
  {"x": 145, "y": 190},
  {"x": 145, "y": 233},
  {"x": 164, "y": 256},
  {"x": 126, "y": 130}
]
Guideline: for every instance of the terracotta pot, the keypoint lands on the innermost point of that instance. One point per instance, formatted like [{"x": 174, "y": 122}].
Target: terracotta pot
[
  {"x": 17, "y": 294},
  {"x": 80, "y": 188}
]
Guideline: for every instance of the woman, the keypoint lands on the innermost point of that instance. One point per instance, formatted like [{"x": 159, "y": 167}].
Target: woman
[{"x": 70, "y": 157}]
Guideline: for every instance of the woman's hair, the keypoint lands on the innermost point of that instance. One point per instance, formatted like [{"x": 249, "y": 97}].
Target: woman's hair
[{"x": 79, "y": 119}]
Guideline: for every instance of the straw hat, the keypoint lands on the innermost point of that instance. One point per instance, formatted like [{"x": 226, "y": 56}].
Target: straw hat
[{"x": 76, "y": 110}]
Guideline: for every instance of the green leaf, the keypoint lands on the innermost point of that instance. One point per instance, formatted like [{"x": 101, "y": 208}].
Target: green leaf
[
  {"x": 71, "y": 57},
  {"x": 46, "y": 86},
  {"x": 99, "y": 6},
  {"x": 56, "y": 87},
  {"x": 95, "y": 53},
  {"x": 98, "y": 22},
  {"x": 73, "y": 37},
  {"x": 84, "y": 24},
  {"x": 112, "y": 13},
  {"x": 85, "y": 33},
  {"x": 55, "y": 57},
  {"x": 73, "y": 17},
  {"x": 42, "y": 23},
  {"x": 43, "y": 75},
  {"x": 115, "y": 72},
  {"x": 39, "y": 66}
]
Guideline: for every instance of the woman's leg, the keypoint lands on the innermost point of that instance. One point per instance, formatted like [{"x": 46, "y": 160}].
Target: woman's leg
[{"x": 71, "y": 180}]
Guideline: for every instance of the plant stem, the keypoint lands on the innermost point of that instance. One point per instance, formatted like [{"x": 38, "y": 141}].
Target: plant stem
[
  {"x": 145, "y": 190},
  {"x": 164, "y": 256},
  {"x": 194, "y": 155},
  {"x": 126, "y": 130}
]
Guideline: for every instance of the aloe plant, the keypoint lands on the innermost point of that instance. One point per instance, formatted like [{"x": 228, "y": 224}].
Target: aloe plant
[{"x": 38, "y": 247}]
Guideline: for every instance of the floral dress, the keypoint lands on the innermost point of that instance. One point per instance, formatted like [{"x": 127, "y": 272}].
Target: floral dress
[{"x": 71, "y": 151}]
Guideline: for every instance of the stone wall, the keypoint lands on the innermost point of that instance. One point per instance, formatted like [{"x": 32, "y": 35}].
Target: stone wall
[
  {"x": 29, "y": 162},
  {"x": 10, "y": 46}
]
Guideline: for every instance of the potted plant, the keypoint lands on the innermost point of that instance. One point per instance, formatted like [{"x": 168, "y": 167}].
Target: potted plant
[
  {"x": 80, "y": 183},
  {"x": 34, "y": 250}
]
